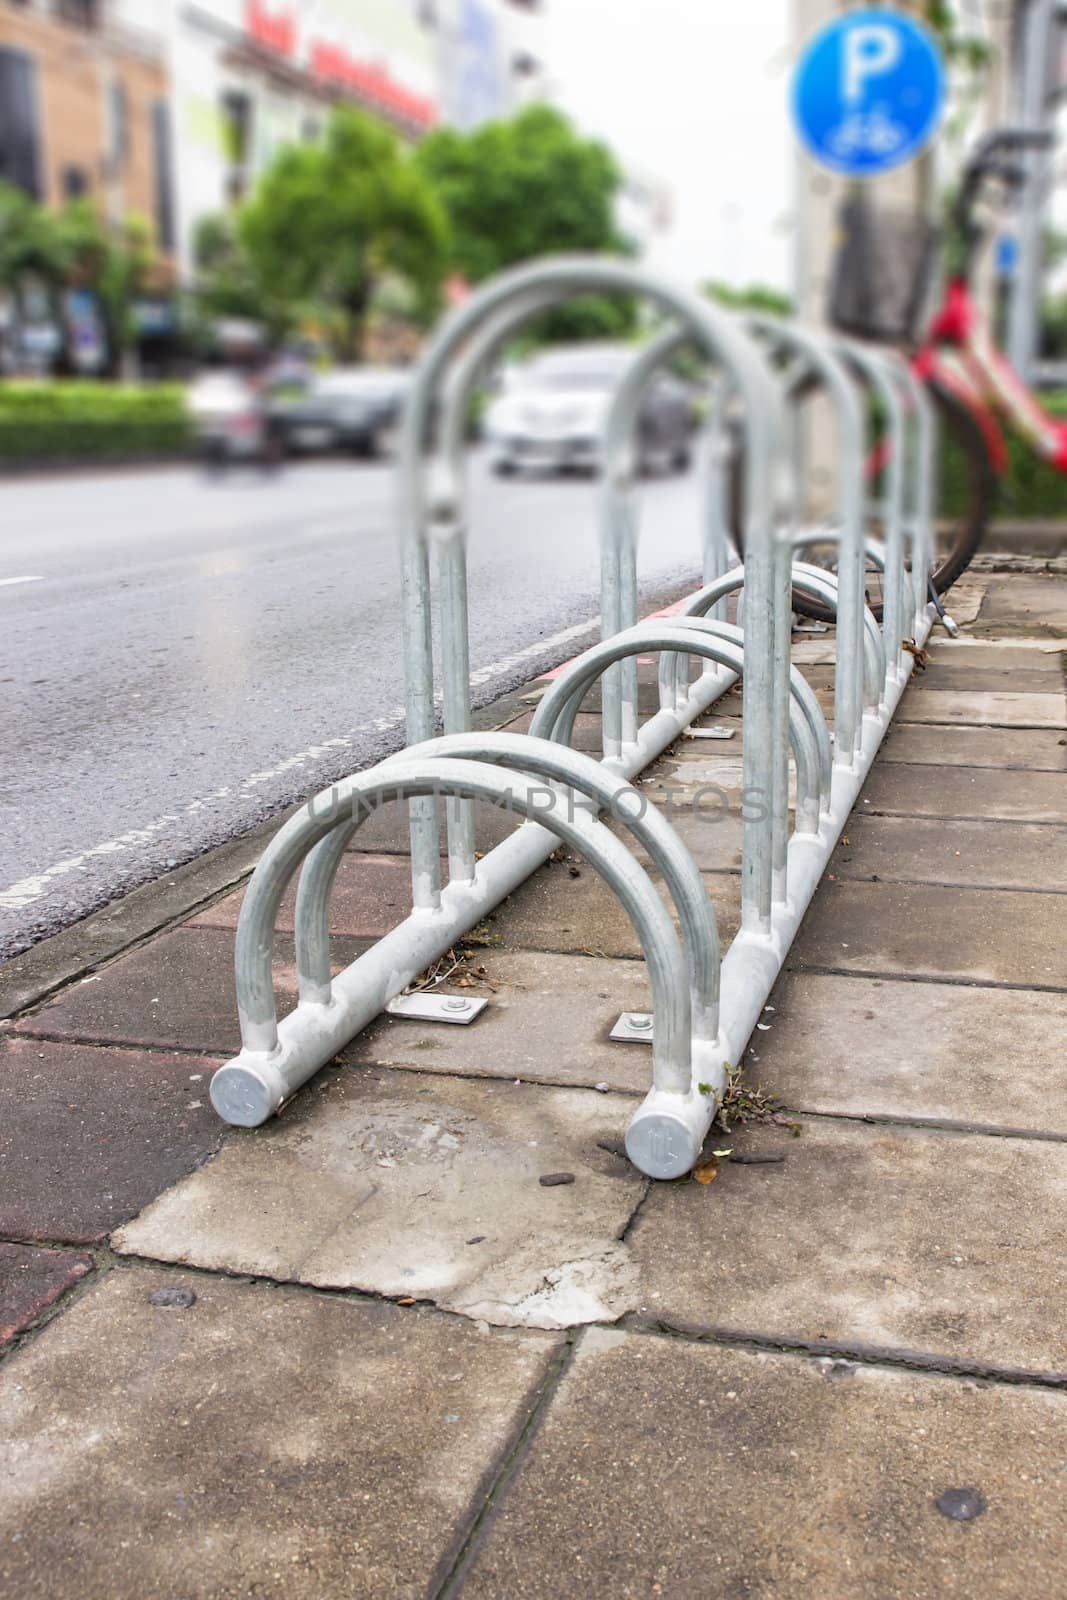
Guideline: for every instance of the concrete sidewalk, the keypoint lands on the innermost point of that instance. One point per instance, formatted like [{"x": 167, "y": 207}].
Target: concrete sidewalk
[{"x": 366, "y": 1350}]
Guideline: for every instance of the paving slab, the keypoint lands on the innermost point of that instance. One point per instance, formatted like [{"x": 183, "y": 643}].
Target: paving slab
[
  {"x": 32, "y": 1279},
  {"x": 711, "y": 831},
  {"x": 980, "y": 708},
  {"x": 1013, "y": 749},
  {"x": 924, "y": 930},
  {"x": 682, "y": 1470},
  {"x": 1017, "y": 648},
  {"x": 966, "y": 598},
  {"x": 547, "y": 1021},
  {"x": 371, "y": 895},
  {"x": 175, "y": 993},
  {"x": 983, "y": 854},
  {"x": 587, "y": 734},
  {"x": 261, "y": 1441},
  {"x": 954, "y": 1244},
  {"x": 425, "y": 1187},
  {"x": 858, "y": 1047},
  {"x": 949, "y": 792},
  {"x": 987, "y": 671},
  {"x": 387, "y": 831},
  {"x": 89, "y": 1135},
  {"x": 553, "y": 910}
]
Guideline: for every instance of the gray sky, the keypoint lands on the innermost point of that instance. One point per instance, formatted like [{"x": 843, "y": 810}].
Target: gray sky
[{"x": 693, "y": 92}]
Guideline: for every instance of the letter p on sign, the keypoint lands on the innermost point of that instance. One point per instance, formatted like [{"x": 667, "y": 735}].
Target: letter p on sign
[{"x": 870, "y": 51}]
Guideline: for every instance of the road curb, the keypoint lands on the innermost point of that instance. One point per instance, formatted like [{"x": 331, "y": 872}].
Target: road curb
[{"x": 85, "y": 946}]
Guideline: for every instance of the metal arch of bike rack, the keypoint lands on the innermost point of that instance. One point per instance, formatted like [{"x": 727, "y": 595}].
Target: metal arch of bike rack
[
  {"x": 821, "y": 585},
  {"x": 593, "y": 781},
  {"x": 618, "y": 603},
  {"x": 446, "y": 528},
  {"x": 921, "y": 476},
  {"x": 909, "y": 517},
  {"x": 874, "y": 368},
  {"x": 820, "y": 361},
  {"x": 273, "y": 1063},
  {"x": 815, "y": 356},
  {"x": 803, "y": 696},
  {"x": 809, "y": 739},
  {"x": 817, "y": 582},
  {"x": 719, "y": 334}
]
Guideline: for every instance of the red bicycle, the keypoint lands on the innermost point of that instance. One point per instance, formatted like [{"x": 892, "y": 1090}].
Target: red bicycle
[{"x": 880, "y": 289}]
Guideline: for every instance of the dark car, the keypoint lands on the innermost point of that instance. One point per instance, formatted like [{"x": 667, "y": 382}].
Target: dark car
[
  {"x": 552, "y": 412},
  {"x": 356, "y": 409}
]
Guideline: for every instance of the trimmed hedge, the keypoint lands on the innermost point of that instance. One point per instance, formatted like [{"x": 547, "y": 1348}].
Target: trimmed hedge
[
  {"x": 1032, "y": 488},
  {"x": 85, "y": 421}
]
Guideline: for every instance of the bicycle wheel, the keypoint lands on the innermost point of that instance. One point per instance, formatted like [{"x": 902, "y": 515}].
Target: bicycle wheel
[{"x": 968, "y": 490}]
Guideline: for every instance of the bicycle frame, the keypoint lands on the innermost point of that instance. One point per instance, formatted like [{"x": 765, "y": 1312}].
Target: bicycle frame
[{"x": 960, "y": 355}]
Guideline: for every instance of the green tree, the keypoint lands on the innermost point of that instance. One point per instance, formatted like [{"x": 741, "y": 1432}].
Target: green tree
[
  {"x": 328, "y": 223},
  {"x": 113, "y": 260},
  {"x": 28, "y": 239},
  {"x": 226, "y": 285},
  {"x": 530, "y": 186}
]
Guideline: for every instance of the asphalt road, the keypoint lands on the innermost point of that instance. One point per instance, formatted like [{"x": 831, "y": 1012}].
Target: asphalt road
[{"x": 192, "y": 656}]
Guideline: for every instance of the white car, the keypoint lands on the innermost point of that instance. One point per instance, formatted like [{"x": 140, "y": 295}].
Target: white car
[{"x": 551, "y": 416}]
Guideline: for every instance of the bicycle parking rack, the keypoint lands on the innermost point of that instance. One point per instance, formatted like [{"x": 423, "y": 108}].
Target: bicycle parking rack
[{"x": 705, "y": 1005}]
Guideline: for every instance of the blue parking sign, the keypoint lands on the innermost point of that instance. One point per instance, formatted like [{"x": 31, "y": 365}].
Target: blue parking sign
[{"x": 868, "y": 92}]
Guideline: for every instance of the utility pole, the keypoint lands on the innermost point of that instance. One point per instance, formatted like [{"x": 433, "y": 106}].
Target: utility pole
[{"x": 1040, "y": 23}]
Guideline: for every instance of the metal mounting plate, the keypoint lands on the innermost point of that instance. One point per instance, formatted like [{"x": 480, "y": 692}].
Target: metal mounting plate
[
  {"x": 633, "y": 1027},
  {"x": 424, "y": 1007},
  {"x": 710, "y": 733}
]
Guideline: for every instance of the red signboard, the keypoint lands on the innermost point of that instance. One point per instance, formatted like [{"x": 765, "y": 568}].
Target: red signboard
[
  {"x": 332, "y": 63},
  {"x": 275, "y": 30}
]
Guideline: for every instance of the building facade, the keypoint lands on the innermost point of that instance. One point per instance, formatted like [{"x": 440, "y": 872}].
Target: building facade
[{"x": 84, "y": 108}]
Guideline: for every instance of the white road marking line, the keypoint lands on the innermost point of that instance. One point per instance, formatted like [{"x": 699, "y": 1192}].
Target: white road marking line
[
  {"x": 36, "y": 577},
  {"x": 28, "y": 890},
  {"x": 484, "y": 674}
]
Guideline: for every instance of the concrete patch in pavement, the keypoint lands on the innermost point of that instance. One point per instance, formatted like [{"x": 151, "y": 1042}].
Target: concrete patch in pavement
[
  {"x": 927, "y": 931},
  {"x": 260, "y": 1441},
  {"x": 423, "y": 1187},
  {"x": 1025, "y": 605},
  {"x": 925, "y": 791},
  {"x": 667, "y": 1468},
  {"x": 998, "y": 855},
  {"x": 32, "y": 1279},
  {"x": 547, "y": 1020},
  {"x": 878, "y": 1047},
  {"x": 88, "y": 1136},
  {"x": 950, "y": 1243}
]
